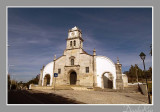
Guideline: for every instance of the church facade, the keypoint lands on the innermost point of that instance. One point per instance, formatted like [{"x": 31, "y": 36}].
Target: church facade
[{"x": 77, "y": 67}]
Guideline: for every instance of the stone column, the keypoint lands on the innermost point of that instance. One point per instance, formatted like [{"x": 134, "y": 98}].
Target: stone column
[
  {"x": 119, "y": 81},
  {"x": 41, "y": 76},
  {"x": 94, "y": 69},
  {"x": 54, "y": 65}
]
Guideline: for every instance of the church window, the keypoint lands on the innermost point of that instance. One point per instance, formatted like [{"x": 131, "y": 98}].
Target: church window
[
  {"x": 71, "y": 43},
  {"x": 74, "y": 43},
  {"x": 59, "y": 71},
  {"x": 87, "y": 69},
  {"x": 72, "y": 61}
]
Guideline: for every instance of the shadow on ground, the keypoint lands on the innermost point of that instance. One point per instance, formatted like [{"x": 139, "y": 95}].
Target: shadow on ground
[{"x": 30, "y": 97}]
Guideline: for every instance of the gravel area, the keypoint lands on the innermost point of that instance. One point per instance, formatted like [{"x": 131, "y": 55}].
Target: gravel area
[{"x": 100, "y": 97}]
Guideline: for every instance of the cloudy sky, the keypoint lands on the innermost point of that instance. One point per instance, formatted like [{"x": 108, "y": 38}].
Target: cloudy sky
[{"x": 35, "y": 35}]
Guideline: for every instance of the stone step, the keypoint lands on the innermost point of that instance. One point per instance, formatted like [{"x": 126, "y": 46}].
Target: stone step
[
  {"x": 97, "y": 89},
  {"x": 62, "y": 88},
  {"x": 73, "y": 87},
  {"x": 83, "y": 88}
]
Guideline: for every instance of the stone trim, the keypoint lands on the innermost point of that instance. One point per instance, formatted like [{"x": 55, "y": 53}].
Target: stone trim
[
  {"x": 84, "y": 52},
  {"x": 75, "y": 30},
  {"x": 72, "y": 48},
  {"x": 60, "y": 57},
  {"x": 75, "y": 38},
  {"x": 73, "y": 66},
  {"x": 72, "y": 57}
]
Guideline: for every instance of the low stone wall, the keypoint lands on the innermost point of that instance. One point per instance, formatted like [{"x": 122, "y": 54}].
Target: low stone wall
[
  {"x": 82, "y": 88},
  {"x": 39, "y": 87},
  {"x": 57, "y": 87},
  {"x": 125, "y": 80},
  {"x": 143, "y": 88}
]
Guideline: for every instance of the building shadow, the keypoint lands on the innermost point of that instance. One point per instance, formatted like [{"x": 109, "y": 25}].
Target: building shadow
[{"x": 32, "y": 97}]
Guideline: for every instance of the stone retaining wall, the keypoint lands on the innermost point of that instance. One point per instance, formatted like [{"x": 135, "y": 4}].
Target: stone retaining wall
[{"x": 143, "y": 88}]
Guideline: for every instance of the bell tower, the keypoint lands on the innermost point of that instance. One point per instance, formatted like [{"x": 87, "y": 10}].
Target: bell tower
[{"x": 74, "y": 40}]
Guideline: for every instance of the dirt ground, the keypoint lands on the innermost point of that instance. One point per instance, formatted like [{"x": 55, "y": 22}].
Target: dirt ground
[{"x": 100, "y": 97}]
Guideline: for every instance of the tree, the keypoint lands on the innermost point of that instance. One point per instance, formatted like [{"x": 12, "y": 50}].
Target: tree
[
  {"x": 135, "y": 73},
  {"x": 150, "y": 50},
  {"x": 9, "y": 81},
  {"x": 14, "y": 84},
  {"x": 150, "y": 73},
  {"x": 131, "y": 73},
  {"x": 33, "y": 81},
  {"x": 136, "y": 70}
]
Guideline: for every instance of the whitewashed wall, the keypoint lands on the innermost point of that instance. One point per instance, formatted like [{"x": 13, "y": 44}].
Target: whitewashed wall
[
  {"x": 125, "y": 80},
  {"x": 48, "y": 69},
  {"x": 104, "y": 64}
]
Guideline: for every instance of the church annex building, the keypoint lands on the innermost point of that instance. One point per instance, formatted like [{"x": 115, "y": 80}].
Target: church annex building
[{"x": 77, "y": 67}]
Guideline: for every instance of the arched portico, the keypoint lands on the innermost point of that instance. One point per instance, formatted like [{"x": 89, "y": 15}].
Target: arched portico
[
  {"x": 107, "y": 80},
  {"x": 46, "y": 80}
]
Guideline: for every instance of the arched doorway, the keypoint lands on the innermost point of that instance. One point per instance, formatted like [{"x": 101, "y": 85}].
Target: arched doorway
[
  {"x": 107, "y": 80},
  {"x": 73, "y": 78},
  {"x": 47, "y": 80}
]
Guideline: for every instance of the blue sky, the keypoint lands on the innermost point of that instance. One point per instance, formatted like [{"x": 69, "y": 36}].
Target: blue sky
[{"x": 35, "y": 35}]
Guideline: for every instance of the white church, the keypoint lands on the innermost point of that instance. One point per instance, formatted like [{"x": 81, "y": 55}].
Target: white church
[{"x": 77, "y": 67}]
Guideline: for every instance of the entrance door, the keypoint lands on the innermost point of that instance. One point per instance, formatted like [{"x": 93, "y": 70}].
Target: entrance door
[{"x": 73, "y": 78}]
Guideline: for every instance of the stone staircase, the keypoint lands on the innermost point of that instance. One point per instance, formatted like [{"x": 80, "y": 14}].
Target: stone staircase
[
  {"x": 73, "y": 87},
  {"x": 131, "y": 89},
  {"x": 105, "y": 89}
]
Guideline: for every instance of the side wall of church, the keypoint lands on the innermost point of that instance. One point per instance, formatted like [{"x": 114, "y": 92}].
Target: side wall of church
[
  {"x": 48, "y": 69},
  {"x": 59, "y": 64},
  {"x": 86, "y": 79},
  {"x": 105, "y": 65}
]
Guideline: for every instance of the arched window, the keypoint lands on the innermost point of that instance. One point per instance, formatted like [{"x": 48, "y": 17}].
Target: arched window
[
  {"x": 71, "y": 43},
  {"x": 72, "y": 61},
  {"x": 74, "y": 43}
]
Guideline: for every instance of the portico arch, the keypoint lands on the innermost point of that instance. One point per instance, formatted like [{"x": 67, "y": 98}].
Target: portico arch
[
  {"x": 107, "y": 80},
  {"x": 47, "y": 79}
]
